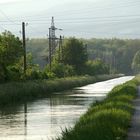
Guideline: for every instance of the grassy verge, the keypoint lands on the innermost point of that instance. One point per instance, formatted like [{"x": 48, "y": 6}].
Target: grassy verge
[
  {"x": 109, "y": 119},
  {"x": 14, "y": 92}
]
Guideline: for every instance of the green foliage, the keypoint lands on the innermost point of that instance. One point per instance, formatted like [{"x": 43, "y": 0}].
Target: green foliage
[
  {"x": 2, "y": 74},
  {"x": 15, "y": 92},
  {"x": 74, "y": 54},
  {"x": 33, "y": 73},
  {"x": 10, "y": 48},
  {"x": 49, "y": 75},
  {"x": 108, "y": 119},
  {"x": 33, "y": 70},
  {"x": 117, "y": 53},
  {"x": 10, "y": 52},
  {"x": 13, "y": 73},
  {"x": 136, "y": 62},
  {"x": 96, "y": 67},
  {"x": 75, "y": 61},
  {"x": 59, "y": 70}
]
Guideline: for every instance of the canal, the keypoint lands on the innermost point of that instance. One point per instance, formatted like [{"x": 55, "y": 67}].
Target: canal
[{"x": 46, "y": 118}]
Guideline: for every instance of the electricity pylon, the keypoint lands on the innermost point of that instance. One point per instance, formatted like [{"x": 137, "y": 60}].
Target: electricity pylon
[{"x": 52, "y": 41}]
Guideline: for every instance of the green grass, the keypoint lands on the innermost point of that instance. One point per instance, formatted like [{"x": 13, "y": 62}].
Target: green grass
[
  {"x": 108, "y": 119},
  {"x": 15, "y": 92}
]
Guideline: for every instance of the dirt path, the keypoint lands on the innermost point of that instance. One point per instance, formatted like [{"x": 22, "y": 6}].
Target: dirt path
[{"x": 134, "y": 131}]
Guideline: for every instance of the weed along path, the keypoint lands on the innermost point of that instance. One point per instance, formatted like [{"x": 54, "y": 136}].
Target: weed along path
[
  {"x": 46, "y": 118},
  {"x": 134, "y": 131}
]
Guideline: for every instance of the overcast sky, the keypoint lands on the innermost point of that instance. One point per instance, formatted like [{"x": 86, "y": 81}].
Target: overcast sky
[{"x": 79, "y": 18}]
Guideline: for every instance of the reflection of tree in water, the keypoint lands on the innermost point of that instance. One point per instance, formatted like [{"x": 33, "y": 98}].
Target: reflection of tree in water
[
  {"x": 10, "y": 110},
  {"x": 58, "y": 105},
  {"x": 53, "y": 119},
  {"x": 25, "y": 120},
  {"x": 13, "y": 119},
  {"x": 63, "y": 99}
]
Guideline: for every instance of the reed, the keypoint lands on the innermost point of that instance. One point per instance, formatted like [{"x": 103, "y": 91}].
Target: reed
[{"x": 15, "y": 92}]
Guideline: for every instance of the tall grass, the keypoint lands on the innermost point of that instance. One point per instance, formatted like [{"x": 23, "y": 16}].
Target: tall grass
[
  {"x": 14, "y": 92},
  {"x": 106, "y": 120}
]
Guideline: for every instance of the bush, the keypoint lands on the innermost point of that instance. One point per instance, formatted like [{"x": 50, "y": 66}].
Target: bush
[
  {"x": 96, "y": 67},
  {"x": 60, "y": 70},
  {"x": 2, "y": 75},
  {"x": 33, "y": 72},
  {"x": 13, "y": 73}
]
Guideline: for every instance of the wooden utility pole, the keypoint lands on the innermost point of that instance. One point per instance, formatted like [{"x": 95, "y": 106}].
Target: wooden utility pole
[{"x": 24, "y": 46}]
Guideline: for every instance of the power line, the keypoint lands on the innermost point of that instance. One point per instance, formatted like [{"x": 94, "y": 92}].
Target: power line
[
  {"x": 37, "y": 31},
  {"x": 9, "y": 19},
  {"x": 88, "y": 10},
  {"x": 89, "y": 21},
  {"x": 118, "y": 5},
  {"x": 82, "y": 18},
  {"x": 2, "y": 27}
]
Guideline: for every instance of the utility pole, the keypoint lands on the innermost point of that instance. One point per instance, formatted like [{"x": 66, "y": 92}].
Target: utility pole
[
  {"x": 60, "y": 48},
  {"x": 50, "y": 50},
  {"x": 86, "y": 50},
  {"x": 24, "y": 46}
]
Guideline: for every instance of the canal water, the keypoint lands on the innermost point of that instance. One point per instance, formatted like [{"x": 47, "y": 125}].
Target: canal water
[{"x": 46, "y": 118}]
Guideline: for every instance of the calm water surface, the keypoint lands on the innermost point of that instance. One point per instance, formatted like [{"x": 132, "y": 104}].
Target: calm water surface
[{"x": 46, "y": 118}]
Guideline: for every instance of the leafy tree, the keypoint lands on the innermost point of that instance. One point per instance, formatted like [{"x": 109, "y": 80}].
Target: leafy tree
[
  {"x": 136, "y": 62},
  {"x": 10, "y": 52},
  {"x": 74, "y": 54},
  {"x": 96, "y": 67}
]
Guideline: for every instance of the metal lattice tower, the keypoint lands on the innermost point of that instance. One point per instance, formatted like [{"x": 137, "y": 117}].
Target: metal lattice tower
[
  {"x": 53, "y": 40},
  {"x": 53, "y": 28},
  {"x": 52, "y": 37}
]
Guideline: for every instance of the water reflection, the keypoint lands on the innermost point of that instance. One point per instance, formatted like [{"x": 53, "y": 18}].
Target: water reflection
[
  {"x": 44, "y": 119},
  {"x": 25, "y": 120}
]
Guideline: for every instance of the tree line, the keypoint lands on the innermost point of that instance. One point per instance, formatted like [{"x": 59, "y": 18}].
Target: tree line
[
  {"x": 74, "y": 62},
  {"x": 80, "y": 57},
  {"x": 118, "y": 54}
]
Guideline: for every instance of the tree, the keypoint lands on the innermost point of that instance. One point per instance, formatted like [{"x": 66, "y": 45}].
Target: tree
[
  {"x": 74, "y": 54},
  {"x": 96, "y": 67},
  {"x": 10, "y": 52},
  {"x": 136, "y": 62},
  {"x": 60, "y": 70}
]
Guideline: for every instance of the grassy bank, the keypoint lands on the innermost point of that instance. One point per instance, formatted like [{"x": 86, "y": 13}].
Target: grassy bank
[
  {"x": 14, "y": 92},
  {"x": 109, "y": 119}
]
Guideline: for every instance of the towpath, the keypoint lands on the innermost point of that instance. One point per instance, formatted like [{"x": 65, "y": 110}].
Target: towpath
[{"x": 134, "y": 131}]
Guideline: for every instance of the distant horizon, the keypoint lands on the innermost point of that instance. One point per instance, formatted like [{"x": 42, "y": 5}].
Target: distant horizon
[{"x": 89, "y": 38}]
